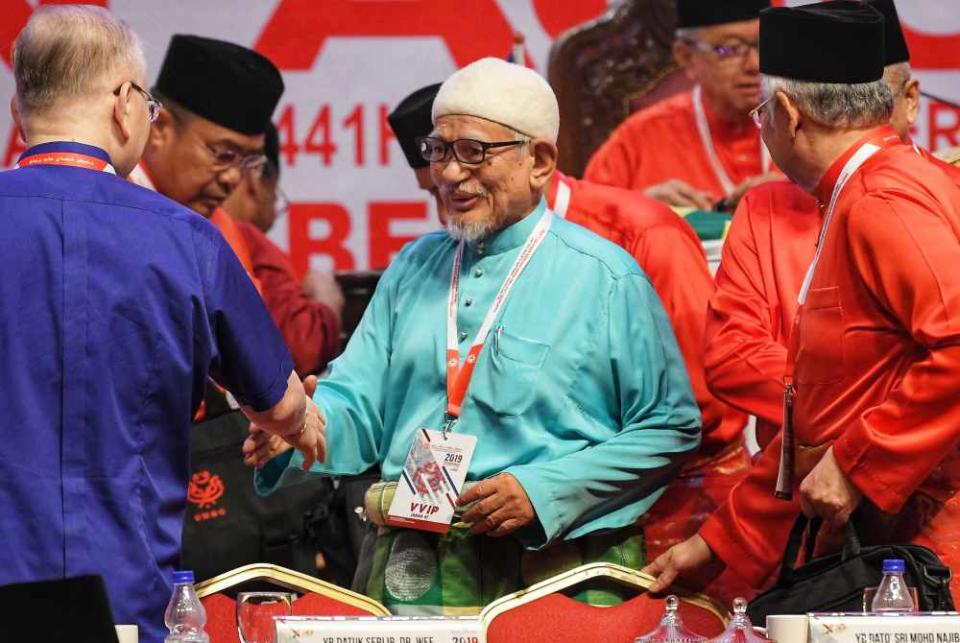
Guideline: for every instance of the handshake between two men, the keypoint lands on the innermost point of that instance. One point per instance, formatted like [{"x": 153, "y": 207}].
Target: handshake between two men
[{"x": 497, "y": 506}]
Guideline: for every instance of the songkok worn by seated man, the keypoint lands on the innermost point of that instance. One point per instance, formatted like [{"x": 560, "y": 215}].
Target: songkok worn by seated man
[
  {"x": 877, "y": 357},
  {"x": 697, "y": 149},
  {"x": 577, "y": 431}
]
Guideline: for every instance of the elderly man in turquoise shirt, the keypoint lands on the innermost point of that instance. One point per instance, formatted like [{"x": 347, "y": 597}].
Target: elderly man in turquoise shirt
[{"x": 527, "y": 340}]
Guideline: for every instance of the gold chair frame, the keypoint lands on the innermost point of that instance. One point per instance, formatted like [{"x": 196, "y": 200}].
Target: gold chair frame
[
  {"x": 288, "y": 579},
  {"x": 560, "y": 582}
]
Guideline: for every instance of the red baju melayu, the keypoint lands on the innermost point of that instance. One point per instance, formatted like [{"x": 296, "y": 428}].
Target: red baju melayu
[
  {"x": 877, "y": 369},
  {"x": 668, "y": 141},
  {"x": 668, "y": 250},
  {"x": 766, "y": 254}
]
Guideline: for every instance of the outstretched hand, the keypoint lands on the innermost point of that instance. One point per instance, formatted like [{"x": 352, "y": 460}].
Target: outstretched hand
[
  {"x": 690, "y": 562},
  {"x": 260, "y": 446}
]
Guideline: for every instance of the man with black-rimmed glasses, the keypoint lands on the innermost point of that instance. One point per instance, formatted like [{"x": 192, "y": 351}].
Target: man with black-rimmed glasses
[{"x": 514, "y": 376}]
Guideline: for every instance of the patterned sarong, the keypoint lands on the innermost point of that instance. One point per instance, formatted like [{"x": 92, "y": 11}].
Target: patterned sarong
[{"x": 456, "y": 574}]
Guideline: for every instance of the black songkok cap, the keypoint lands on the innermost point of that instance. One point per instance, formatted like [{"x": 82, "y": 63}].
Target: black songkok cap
[
  {"x": 271, "y": 146},
  {"x": 830, "y": 42},
  {"x": 232, "y": 86},
  {"x": 703, "y": 13},
  {"x": 411, "y": 119},
  {"x": 894, "y": 43}
]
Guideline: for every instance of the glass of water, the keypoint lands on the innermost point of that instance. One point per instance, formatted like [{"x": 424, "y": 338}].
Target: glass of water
[{"x": 255, "y": 614}]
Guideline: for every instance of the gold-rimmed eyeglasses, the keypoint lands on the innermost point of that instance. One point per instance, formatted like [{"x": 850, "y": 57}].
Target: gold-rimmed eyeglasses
[
  {"x": 225, "y": 158},
  {"x": 756, "y": 115},
  {"x": 153, "y": 105},
  {"x": 725, "y": 51}
]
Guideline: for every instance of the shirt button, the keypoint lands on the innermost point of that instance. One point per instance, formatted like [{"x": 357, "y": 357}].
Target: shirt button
[
  {"x": 463, "y": 335},
  {"x": 478, "y": 272},
  {"x": 468, "y": 301}
]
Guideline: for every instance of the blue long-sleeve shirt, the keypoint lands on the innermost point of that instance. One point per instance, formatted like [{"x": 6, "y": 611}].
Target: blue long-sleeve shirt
[
  {"x": 115, "y": 304},
  {"x": 581, "y": 392}
]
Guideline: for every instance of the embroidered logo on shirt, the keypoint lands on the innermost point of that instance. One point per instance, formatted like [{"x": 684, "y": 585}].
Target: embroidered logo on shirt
[{"x": 204, "y": 491}]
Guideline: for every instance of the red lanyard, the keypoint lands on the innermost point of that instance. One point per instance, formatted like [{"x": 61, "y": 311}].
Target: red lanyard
[
  {"x": 69, "y": 159},
  {"x": 458, "y": 376}
]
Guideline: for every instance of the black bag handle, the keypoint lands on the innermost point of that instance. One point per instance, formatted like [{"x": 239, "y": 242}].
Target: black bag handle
[{"x": 811, "y": 526}]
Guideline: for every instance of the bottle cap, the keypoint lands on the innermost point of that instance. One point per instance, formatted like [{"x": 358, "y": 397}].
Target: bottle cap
[
  {"x": 182, "y": 576},
  {"x": 893, "y": 565}
]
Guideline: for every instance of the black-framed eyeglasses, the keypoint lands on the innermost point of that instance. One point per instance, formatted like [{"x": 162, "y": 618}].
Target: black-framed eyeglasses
[
  {"x": 466, "y": 150},
  {"x": 725, "y": 51},
  {"x": 225, "y": 158},
  {"x": 153, "y": 105}
]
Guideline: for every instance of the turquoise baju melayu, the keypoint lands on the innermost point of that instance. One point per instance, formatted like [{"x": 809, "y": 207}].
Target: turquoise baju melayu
[{"x": 580, "y": 391}]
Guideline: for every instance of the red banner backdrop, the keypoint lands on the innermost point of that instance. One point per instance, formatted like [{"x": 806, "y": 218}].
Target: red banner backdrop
[{"x": 354, "y": 202}]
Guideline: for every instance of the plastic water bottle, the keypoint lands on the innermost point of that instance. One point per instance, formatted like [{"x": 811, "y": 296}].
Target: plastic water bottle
[
  {"x": 892, "y": 595},
  {"x": 185, "y": 616}
]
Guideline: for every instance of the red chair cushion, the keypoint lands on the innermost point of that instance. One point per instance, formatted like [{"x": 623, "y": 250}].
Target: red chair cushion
[
  {"x": 222, "y": 613},
  {"x": 570, "y": 621}
]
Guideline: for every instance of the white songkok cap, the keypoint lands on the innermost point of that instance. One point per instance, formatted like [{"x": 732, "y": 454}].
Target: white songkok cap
[{"x": 509, "y": 94}]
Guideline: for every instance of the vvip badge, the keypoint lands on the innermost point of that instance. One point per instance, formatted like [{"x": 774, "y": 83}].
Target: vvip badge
[{"x": 431, "y": 480}]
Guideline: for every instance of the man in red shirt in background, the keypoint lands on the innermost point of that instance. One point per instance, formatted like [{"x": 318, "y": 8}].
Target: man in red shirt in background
[
  {"x": 307, "y": 314},
  {"x": 697, "y": 149}
]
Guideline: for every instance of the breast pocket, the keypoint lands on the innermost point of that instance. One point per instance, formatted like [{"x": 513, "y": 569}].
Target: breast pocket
[
  {"x": 820, "y": 347},
  {"x": 507, "y": 385}
]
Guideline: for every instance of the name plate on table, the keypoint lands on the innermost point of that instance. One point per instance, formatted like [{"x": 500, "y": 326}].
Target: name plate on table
[
  {"x": 379, "y": 629},
  {"x": 936, "y": 627}
]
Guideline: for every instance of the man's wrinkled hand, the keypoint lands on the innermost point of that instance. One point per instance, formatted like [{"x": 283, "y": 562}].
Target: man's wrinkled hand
[
  {"x": 501, "y": 506},
  {"x": 677, "y": 193},
  {"x": 828, "y": 493},
  {"x": 260, "y": 446},
  {"x": 690, "y": 562}
]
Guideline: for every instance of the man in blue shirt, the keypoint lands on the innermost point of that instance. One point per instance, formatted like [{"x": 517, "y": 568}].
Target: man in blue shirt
[
  {"x": 115, "y": 305},
  {"x": 529, "y": 337}
]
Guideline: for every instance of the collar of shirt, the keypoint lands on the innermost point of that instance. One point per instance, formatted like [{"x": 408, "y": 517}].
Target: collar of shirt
[
  {"x": 511, "y": 237},
  {"x": 829, "y": 180},
  {"x": 67, "y": 146}
]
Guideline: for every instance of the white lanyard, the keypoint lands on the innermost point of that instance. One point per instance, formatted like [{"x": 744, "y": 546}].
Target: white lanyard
[
  {"x": 562, "y": 199},
  {"x": 703, "y": 127},
  {"x": 458, "y": 377},
  {"x": 859, "y": 158}
]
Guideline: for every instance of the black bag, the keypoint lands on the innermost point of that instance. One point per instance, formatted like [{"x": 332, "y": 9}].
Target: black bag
[
  {"x": 228, "y": 525},
  {"x": 835, "y": 583}
]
